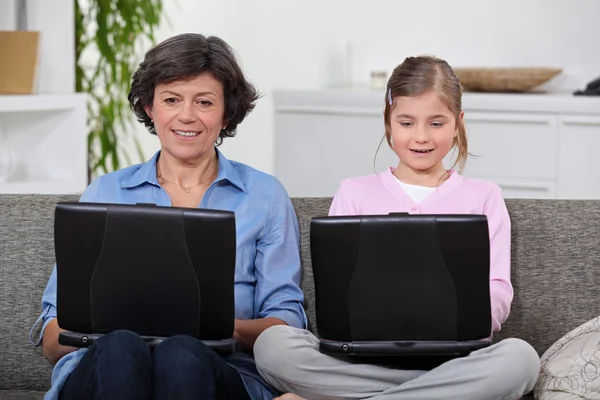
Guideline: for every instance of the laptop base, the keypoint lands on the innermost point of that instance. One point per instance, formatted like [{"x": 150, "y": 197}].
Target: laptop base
[
  {"x": 73, "y": 339},
  {"x": 401, "y": 348}
]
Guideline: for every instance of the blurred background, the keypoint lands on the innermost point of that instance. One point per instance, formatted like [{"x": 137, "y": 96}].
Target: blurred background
[{"x": 321, "y": 67}]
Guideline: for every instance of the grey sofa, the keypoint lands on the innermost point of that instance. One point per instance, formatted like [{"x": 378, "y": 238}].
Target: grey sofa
[{"x": 555, "y": 253}]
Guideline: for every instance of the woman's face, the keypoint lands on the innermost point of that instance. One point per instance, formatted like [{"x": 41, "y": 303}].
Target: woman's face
[{"x": 188, "y": 116}]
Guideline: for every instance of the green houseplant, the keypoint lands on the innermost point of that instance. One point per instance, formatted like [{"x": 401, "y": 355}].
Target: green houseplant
[{"x": 110, "y": 35}]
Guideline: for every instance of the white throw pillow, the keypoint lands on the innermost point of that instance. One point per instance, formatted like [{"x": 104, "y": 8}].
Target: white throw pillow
[{"x": 570, "y": 368}]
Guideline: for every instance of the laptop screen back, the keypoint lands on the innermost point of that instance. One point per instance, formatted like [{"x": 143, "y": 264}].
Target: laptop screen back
[
  {"x": 401, "y": 277},
  {"x": 157, "y": 271}
]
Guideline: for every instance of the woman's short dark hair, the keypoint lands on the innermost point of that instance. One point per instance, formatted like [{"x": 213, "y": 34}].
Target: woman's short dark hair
[{"x": 185, "y": 56}]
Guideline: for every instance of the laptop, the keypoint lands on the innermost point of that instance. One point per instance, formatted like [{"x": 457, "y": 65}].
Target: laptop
[
  {"x": 157, "y": 271},
  {"x": 401, "y": 284}
]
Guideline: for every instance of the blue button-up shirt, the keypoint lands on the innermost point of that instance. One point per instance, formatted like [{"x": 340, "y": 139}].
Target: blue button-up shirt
[{"x": 267, "y": 272}]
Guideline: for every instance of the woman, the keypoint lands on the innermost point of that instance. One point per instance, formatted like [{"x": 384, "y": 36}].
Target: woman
[{"x": 190, "y": 91}]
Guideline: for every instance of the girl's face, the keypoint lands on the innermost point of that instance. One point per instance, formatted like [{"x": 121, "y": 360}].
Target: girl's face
[{"x": 422, "y": 131}]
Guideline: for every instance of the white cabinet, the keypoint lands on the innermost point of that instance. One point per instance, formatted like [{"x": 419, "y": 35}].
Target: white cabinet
[
  {"x": 43, "y": 144},
  {"x": 504, "y": 145},
  {"x": 517, "y": 151},
  {"x": 533, "y": 146},
  {"x": 314, "y": 152},
  {"x": 578, "y": 156}
]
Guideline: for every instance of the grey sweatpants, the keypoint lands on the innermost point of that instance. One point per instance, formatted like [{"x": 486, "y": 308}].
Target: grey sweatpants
[{"x": 289, "y": 359}]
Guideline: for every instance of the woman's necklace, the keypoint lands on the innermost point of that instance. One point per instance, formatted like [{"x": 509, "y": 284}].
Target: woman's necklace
[{"x": 187, "y": 189}]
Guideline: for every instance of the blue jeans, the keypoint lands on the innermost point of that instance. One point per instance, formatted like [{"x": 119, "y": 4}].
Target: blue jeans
[{"x": 120, "y": 365}]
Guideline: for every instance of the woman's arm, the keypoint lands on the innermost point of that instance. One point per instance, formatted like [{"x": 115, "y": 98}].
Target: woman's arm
[
  {"x": 53, "y": 350},
  {"x": 278, "y": 298}
]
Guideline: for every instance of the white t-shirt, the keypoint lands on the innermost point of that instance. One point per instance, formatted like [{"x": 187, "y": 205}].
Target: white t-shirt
[{"x": 415, "y": 192}]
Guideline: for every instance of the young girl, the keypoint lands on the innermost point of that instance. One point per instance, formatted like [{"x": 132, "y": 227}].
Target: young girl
[{"x": 423, "y": 123}]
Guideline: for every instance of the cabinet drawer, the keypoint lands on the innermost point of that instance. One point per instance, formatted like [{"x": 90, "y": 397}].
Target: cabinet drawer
[
  {"x": 524, "y": 188},
  {"x": 579, "y": 174},
  {"x": 512, "y": 145}
]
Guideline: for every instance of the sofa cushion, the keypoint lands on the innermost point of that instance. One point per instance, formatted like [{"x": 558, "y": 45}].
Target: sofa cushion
[
  {"x": 21, "y": 395},
  {"x": 306, "y": 209},
  {"x": 555, "y": 258},
  {"x": 570, "y": 368},
  {"x": 26, "y": 260}
]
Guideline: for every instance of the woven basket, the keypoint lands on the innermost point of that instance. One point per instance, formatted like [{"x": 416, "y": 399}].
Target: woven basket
[{"x": 516, "y": 80}]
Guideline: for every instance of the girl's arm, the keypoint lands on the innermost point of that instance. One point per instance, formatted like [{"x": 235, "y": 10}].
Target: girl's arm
[{"x": 501, "y": 290}]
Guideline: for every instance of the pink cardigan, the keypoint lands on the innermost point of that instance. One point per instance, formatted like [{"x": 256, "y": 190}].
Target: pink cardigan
[{"x": 381, "y": 194}]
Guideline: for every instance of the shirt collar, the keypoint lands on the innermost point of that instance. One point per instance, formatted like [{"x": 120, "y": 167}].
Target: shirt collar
[
  {"x": 147, "y": 173},
  {"x": 447, "y": 186}
]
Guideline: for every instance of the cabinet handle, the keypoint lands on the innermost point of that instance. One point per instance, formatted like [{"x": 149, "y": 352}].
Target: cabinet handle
[
  {"x": 583, "y": 120},
  {"x": 501, "y": 118},
  {"x": 537, "y": 188},
  {"x": 510, "y": 121}
]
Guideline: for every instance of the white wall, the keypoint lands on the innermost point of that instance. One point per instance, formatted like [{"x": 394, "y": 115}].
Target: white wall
[
  {"x": 7, "y": 15},
  {"x": 55, "y": 20},
  {"x": 302, "y": 44}
]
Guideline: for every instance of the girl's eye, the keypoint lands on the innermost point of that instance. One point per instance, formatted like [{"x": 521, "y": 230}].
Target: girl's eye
[
  {"x": 437, "y": 124},
  {"x": 406, "y": 124}
]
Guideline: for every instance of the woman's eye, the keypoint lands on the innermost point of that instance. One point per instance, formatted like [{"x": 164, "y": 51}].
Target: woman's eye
[
  {"x": 205, "y": 103},
  {"x": 171, "y": 101}
]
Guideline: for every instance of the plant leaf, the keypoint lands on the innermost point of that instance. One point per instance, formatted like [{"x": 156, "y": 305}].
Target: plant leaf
[{"x": 115, "y": 29}]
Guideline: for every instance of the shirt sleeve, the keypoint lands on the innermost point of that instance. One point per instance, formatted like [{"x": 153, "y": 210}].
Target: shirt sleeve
[
  {"x": 342, "y": 203},
  {"x": 49, "y": 296},
  {"x": 277, "y": 263},
  {"x": 501, "y": 290}
]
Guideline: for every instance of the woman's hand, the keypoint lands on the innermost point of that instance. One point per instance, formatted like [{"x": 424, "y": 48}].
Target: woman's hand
[
  {"x": 247, "y": 330},
  {"x": 53, "y": 350}
]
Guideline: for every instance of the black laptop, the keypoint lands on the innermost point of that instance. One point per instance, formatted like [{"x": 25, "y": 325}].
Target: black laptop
[
  {"x": 157, "y": 271},
  {"x": 400, "y": 284}
]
